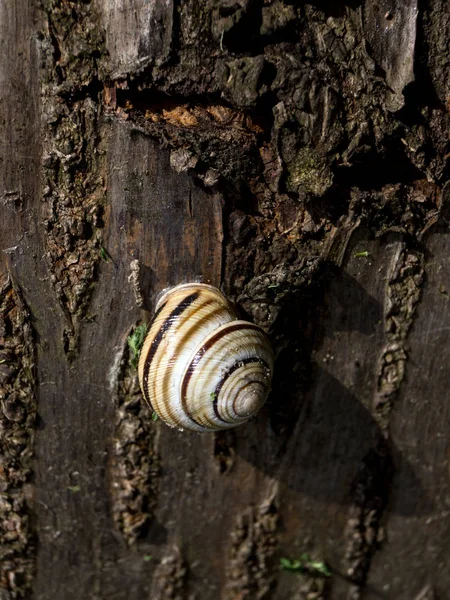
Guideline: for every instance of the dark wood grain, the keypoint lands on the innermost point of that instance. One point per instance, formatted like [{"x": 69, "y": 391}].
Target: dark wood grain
[
  {"x": 22, "y": 276},
  {"x": 422, "y": 414}
]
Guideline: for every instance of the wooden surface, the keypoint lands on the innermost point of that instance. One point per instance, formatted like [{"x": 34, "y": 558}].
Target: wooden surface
[{"x": 300, "y": 168}]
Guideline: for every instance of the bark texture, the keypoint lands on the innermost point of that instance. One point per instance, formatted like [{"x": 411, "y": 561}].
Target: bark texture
[{"x": 296, "y": 155}]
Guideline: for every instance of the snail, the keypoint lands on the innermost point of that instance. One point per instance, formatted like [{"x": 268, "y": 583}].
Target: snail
[{"x": 202, "y": 368}]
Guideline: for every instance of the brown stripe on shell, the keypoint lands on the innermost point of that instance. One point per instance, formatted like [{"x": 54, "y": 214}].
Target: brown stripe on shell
[
  {"x": 176, "y": 312},
  {"x": 204, "y": 292},
  {"x": 187, "y": 336},
  {"x": 161, "y": 308},
  {"x": 198, "y": 356},
  {"x": 147, "y": 343}
]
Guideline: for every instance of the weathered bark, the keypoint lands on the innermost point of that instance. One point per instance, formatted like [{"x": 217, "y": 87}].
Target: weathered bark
[{"x": 295, "y": 155}]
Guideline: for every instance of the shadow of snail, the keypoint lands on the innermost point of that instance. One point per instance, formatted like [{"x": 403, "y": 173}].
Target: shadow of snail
[{"x": 203, "y": 369}]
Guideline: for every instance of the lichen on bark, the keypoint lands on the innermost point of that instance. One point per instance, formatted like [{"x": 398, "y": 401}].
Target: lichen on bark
[
  {"x": 74, "y": 184},
  {"x": 17, "y": 423}
]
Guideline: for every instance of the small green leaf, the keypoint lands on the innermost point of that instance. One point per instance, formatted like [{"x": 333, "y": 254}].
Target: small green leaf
[
  {"x": 104, "y": 254},
  {"x": 154, "y": 416},
  {"x": 306, "y": 565},
  {"x": 320, "y": 567},
  {"x": 74, "y": 488},
  {"x": 135, "y": 341},
  {"x": 362, "y": 254},
  {"x": 148, "y": 557},
  {"x": 272, "y": 286},
  {"x": 291, "y": 565},
  {"x": 213, "y": 395}
]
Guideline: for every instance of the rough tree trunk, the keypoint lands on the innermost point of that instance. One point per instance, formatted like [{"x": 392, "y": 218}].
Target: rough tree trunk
[{"x": 295, "y": 155}]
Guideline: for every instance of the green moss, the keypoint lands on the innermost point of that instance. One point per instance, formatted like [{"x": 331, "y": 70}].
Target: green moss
[
  {"x": 308, "y": 172},
  {"x": 104, "y": 254},
  {"x": 135, "y": 342},
  {"x": 306, "y": 565}
]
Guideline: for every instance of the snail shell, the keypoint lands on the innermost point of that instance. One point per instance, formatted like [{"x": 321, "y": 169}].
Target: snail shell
[{"x": 201, "y": 368}]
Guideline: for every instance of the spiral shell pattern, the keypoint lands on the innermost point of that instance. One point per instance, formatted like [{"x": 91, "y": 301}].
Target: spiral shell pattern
[{"x": 201, "y": 367}]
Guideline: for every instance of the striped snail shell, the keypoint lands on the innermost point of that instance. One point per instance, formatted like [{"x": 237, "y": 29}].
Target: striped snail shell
[{"x": 201, "y": 367}]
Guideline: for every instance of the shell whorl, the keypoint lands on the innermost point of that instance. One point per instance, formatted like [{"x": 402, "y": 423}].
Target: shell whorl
[{"x": 201, "y": 367}]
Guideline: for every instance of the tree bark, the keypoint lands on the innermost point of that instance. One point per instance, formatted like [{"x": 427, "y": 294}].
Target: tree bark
[{"x": 295, "y": 155}]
